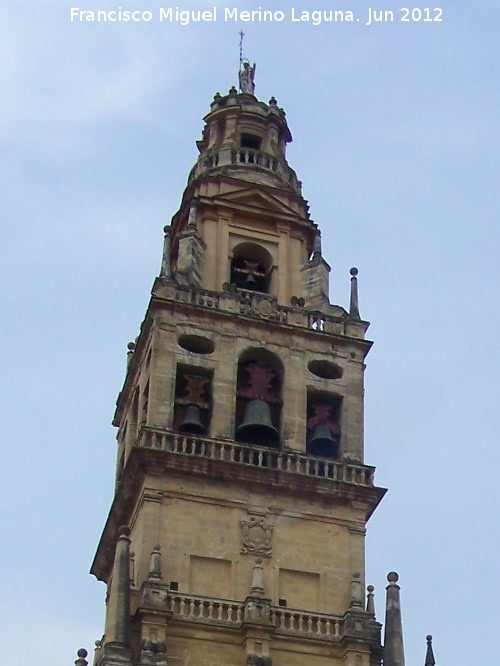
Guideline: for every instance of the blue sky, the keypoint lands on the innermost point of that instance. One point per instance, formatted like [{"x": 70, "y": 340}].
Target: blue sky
[{"x": 396, "y": 141}]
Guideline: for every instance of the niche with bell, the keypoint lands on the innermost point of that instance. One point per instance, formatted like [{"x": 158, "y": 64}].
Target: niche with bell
[
  {"x": 323, "y": 424},
  {"x": 250, "y": 267},
  {"x": 258, "y": 399},
  {"x": 193, "y": 391}
]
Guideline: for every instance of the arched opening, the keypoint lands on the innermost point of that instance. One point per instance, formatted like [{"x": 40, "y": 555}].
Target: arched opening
[
  {"x": 323, "y": 424},
  {"x": 258, "y": 398},
  {"x": 193, "y": 400},
  {"x": 251, "y": 267},
  {"x": 251, "y": 141}
]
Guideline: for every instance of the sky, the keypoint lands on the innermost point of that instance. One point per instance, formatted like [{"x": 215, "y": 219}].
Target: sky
[{"x": 396, "y": 140}]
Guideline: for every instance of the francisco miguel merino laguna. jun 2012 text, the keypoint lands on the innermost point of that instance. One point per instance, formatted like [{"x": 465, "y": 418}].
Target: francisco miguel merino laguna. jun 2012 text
[{"x": 233, "y": 14}]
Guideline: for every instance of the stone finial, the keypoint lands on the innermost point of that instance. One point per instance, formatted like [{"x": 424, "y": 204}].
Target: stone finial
[
  {"x": 82, "y": 657},
  {"x": 97, "y": 652},
  {"x": 370, "y": 601},
  {"x": 356, "y": 591},
  {"x": 132, "y": 568},
  {"x": 393, "y": 636},
  {"x": 354, "y": 304},
  {"x": 130, "y": 352},
  {"x": 165, "y": 270},
  {"x": 257, "y": 579},
  {"x": 193, "y": 214},
  {"x": 429, "y": 656},
  {"x": 155, "y": 564},
  {"x": 273, "y": 101},
  {"x": 317, "y": 245}
]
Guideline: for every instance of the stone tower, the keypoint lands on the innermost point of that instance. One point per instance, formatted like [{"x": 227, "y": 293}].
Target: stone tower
[{"x": 236, "y": 534}]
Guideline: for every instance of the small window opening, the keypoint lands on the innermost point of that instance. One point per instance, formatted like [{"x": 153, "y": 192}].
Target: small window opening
[
  {"x": 251, "y": 141},
  {"x": 282, "y": 603},
  {"x": 174, "y": 586}
]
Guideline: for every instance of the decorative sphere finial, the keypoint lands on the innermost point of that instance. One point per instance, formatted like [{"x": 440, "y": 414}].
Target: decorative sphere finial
[
  {"x": 392, "y": 577},
  {"x": 353, "y": 271}
]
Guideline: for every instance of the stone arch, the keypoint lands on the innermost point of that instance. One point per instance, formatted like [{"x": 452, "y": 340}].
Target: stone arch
[
  {"x": 251, "y": 266},
  {"x": 259, "y": 397}
]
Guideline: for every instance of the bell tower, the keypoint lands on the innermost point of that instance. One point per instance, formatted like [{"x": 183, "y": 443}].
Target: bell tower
[{"x": 236, "y": 533}]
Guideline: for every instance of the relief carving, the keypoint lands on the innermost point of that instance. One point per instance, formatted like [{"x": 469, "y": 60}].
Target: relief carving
[{"x": 256, "y": 536}]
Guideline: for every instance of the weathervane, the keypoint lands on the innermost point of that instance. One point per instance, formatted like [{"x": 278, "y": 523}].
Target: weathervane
[{"x": 246, "y": 73}]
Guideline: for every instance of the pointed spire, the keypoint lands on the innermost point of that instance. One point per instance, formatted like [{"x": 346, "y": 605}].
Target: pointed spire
[
  {"x": 82, "y": 658},
  {"x": 429, "y": 657},
  {"x": 393, "y": 637},
  {"x": 354, "y": 305},
  {"x": 370, "y": 601},
  {"x": 118, "y": 611},
  {"x": 155, "y": 564},
  {"x": 257, "y": 579},
  {"x": 165, "y": 261},
  {"x": 356, "y": 591}
]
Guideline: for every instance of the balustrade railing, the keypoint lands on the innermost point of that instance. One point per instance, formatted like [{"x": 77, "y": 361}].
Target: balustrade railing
[
  {"x": 206, "y": 610},
  {"x": 194, "y": 296},
  {"x": 264, "y": 306},
  {"x": 203, "y": 609},
  {"x": 255, "y": 157},
  {"x": 255, "y": 456},
  {"x": 310, "y": 624}
]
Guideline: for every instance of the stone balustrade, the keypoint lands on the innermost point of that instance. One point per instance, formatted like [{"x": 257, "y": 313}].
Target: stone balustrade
[
  {"x": 255, "y": 157},
  {"x": 201, "y": 297},
  {"x": 255, "y": 456},
  {"x": 314, "y": 625},
  {"x": 259, "y": 306},
  {"x": 250, "y": 157},
  {"x": 206, "y": 610}
]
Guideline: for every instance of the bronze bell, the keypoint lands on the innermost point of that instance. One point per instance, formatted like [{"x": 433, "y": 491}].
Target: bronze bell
[
  {"x": 250, "y": 282},
  {"x": 191, "y": 422},
  {"x": 324, "y": 442},
  {"x": 257, "y": 427}
]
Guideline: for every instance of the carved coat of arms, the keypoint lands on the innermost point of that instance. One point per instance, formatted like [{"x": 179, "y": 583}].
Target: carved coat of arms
[{"x": 256, "y": 536}]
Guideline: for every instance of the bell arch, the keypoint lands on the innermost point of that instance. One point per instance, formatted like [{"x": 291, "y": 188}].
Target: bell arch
[
  {"x": 259, "y": 398},
  {"x": 193, "y": 400},
  {"x": 251, "y": 267},
  {"x": 324, "y": 411}
]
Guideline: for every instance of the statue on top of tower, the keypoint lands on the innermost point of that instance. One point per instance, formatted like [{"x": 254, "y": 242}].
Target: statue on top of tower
[{"x": 246, "y": 77}]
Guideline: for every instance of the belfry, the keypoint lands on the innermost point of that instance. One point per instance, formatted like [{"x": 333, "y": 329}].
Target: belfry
[{"x": 236, "y": 535}]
